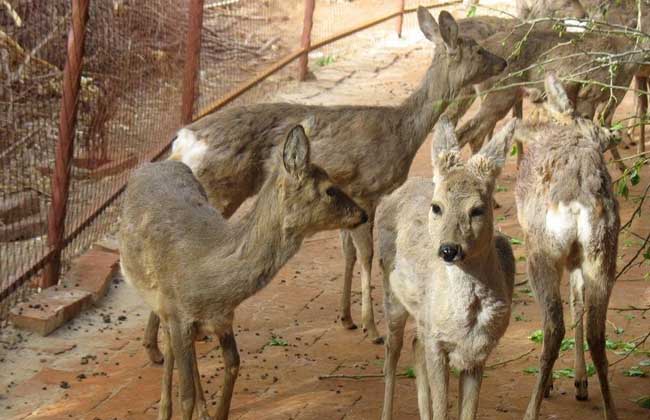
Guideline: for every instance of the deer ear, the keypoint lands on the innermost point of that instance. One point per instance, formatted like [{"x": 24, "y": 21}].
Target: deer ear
[
  {"x": 428, "y": 25},
  {"x": 448, "y": 29},
  {"x": 487, "y": 163},
  {"x": 558, "y": 101},
  {"x": 295, "y": 154},
  {"x": 444, "y": 148}
]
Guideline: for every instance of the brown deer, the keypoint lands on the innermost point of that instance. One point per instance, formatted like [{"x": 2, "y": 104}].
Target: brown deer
[
  {"x": 367, "y": 150},
  {"x": 444, "y": 265},
  {"x": 194, "y": 268},
  {"x": 570, "y": 220},
  {"x": 533, "y": 52}
]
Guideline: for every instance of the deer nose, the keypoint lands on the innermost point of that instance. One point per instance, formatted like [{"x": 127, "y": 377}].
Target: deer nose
[{"x": 448, "y": 252}]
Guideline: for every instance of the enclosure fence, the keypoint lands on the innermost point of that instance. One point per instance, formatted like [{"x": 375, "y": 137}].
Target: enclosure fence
[{"x": 91, "y": 89}]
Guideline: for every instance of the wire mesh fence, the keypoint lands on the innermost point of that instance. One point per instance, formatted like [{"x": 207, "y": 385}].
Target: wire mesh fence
[{"x": 129, "y": 101}]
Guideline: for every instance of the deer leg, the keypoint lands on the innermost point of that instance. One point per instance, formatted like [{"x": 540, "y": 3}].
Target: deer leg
[
  {"x": 231, "y": 370},
  {"x": 396, "y": 317},
  {"x": 438, "y": 374},
  {"x": 350, "y": 255},
  {"x": 469, "y": 390},
  {"x": 150, "y": 341},
  {"x": 165, "y": 412},
  {"x": 641, "y": 110},
  {"x": 544, "y": 276},
  {"x": 421, "y": 380},
  {"x": 599, "y": 280},
  {"x": 200, "y": 405},
  {"x": 577, "y": 312},
  {"x": 182, "y": 340},
  {"x": 363, "y": 241},
  {"x": 518, "y": 112}
]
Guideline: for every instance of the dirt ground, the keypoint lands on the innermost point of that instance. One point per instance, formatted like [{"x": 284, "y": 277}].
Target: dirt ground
[{"x": 289, "y": 335}]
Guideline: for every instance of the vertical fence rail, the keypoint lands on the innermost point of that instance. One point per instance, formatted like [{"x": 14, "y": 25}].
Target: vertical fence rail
[
  {"x": 64, "y": 146},
  {"x": 305, "y": 40},
  {"x": 400, "y": 18},
  {"x": 192, "y": 57}
]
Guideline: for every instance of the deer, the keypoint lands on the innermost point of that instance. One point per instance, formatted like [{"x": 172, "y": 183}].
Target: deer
[
  {"x": 544, "y": 51},
  {"x": 444, "y": 265},
  {"x": 569, "y": 216},
  {"x": 367, "y": 150},
  {"x": 194, "y": 268}
]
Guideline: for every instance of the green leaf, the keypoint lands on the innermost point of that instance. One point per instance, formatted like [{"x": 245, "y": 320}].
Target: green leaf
[
  {"x": 623, "y": 189},
  {"x": 564, "y": 373},
  {"x": 635, "y": 178},
  {"x": 567, "y": 344},
  {"x": 409, "y": 372},
  {"x": 531, "y": 370},
  {"x": 634, "y": 372},
  {"x": 619, "y": 330},
  {"x": 455, "y": 371},
  {"x": 591, "y": 369},
  {"x": 516, "y": 241},
  {"x": 617, "y": 127},
  {"x": 520, "y": 317},
  {"x": 277, "y": 342},
  {"x": 515, "y": 150},
  {"x": 501, "y": 188},
  {"x": 471, "y": 12},
  {"x": 537, "y": 336},
  {"x": 644, "y": 363},
  {"x": 501, "y": 218},
  {"x": 521, "y": 258},
  {"x": 643, "y": 402}
]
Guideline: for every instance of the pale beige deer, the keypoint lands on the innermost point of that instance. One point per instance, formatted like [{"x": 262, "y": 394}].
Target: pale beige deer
[
  {"x": 570, "y": 220},
  {"x": 368, "y": 150},
  {"x": 194, "y": 268},
  {"x": 445, "y": 266}
]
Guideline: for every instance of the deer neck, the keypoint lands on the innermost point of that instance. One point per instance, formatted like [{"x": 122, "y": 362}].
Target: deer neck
[
  {"x": 264, "y": 243},
  {"x": 422, "y": 109}
]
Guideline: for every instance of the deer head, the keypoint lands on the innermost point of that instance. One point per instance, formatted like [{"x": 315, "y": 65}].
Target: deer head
[
  {"x": 469, "y": 63},
  {"x": 461, "y": 218},
  {"x": 310, "y": 199}
]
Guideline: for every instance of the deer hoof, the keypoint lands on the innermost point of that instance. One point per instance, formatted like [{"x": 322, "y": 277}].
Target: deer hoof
[
  {"x": 348, "y": 324},
  {"x": 155, "y": 355},
  {"x": 582, "y": 394}
]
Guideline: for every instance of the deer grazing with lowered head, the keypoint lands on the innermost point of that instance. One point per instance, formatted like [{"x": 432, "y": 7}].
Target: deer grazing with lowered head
[
  {"x": 570, "y": 220},
  {"x": 445, "y": 266},
  {"x": 194, "y": 268},
  {"x": 367, "y": 150}
]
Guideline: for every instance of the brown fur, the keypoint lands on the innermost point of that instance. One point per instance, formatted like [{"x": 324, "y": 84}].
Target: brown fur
[
  {"x": 367, "y": 150},
  {"x": 564, "y": 169},
  {"x": 194, "y": 268}
]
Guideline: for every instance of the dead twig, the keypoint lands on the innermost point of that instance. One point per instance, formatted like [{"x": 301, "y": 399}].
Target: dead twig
[
  {"x": 505, "y": 362},
  {"x": 632, "y": 350},
  {"x": 631, "y": 308}
]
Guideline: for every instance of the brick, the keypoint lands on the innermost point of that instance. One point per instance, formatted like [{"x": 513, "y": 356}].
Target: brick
[
  {"x": 93, "y": 271},
  {"x": 48, "y": 310}
]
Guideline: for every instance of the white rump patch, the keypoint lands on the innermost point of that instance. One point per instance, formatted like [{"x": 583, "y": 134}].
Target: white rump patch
[
  {"x": 188, "y": 149},
  {"x": 569, "y": 223}
]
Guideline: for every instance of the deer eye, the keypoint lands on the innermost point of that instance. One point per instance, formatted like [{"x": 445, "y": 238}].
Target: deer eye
[
  {"x": 436, "y": 209},
  {"x": 477, "y": 212},
  {"x": 331, "y": 191}
]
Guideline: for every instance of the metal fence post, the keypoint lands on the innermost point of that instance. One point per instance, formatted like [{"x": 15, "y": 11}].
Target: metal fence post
[
  {"x": 192, "y": 59},
  {"x": 400, "y": 18},
  {"x": 305, "y": 41},
  {"x": 65, "y": 145}
]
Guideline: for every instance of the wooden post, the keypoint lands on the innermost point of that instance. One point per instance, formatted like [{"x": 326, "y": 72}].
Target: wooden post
[
  {"x": 192, "y": 58},
  {"x": 65, "y": 145},
  {"x": 305, "y": 41},
  {"x": 400, "y": 18}
]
